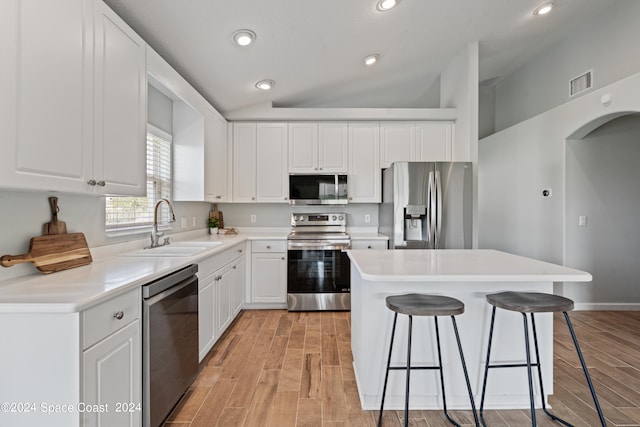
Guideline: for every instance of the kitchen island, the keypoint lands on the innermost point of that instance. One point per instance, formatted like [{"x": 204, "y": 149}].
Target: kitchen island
[{"x": 468, "y": 275}]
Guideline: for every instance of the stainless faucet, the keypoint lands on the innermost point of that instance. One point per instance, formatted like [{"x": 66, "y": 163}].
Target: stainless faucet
[{"x": 155, "y": 235}]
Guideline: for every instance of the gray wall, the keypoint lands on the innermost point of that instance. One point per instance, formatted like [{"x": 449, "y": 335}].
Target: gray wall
[
  {"x": 160, "y": 110},
  {"x": 608, "y": 45},
  {"x": 279, "y": 214},
  {"x": 24, "y": 214},
  {"x": 603, "y": 184}
]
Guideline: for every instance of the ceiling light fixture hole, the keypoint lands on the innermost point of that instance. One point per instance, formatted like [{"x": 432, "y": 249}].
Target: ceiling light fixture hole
[
  {"x": 244, "y": 37},
  {"x": 384, "y": 5},
  {"x": 371, "y": 59},
  {"x": 265, "y": 84},
  {"x": 544, "y": 9}
]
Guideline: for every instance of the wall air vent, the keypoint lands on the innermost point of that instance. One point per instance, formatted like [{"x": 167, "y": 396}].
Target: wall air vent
[{"x": 581, "y": 83}]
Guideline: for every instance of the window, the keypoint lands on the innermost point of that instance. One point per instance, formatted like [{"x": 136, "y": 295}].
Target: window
[{"x": 136, "y": 213}]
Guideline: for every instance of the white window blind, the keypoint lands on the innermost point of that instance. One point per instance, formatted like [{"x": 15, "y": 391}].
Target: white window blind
[{"x": 133, "y": 213}]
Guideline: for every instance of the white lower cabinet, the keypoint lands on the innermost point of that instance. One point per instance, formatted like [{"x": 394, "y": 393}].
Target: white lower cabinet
[
  {"x": 112, "y": 366},
  {"x": 221, "y": 284},
  {"x": 268, "y": 271},
  {"x": 112, "y": 380}
]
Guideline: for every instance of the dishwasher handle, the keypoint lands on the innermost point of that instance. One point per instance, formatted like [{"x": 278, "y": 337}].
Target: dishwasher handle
[{"x": 166, "y": 282}]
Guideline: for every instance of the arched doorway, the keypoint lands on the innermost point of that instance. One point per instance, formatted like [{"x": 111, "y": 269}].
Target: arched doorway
[{"x": 602, "y": 211}]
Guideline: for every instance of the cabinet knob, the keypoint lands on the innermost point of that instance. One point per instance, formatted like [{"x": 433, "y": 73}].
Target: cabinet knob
[
  {"x": 102, "y": 183},
  {"x": 286, "y": 198},
  {"x": 218, "y": 197},
  {"x": 240, "y": 250},
  {"x": 118, "y": 315},
  {"x": 320, "y": 168},
  {"x": 268, "y": 246},
  {"x": 282, "y": 258},
  {"x": 369, "y": 247},
  {"x": 350, "y": 198},
  {"x": 92, "y": 182},
  {"x": 253, "y": 198},
  {"x": 235, "y": 267}
]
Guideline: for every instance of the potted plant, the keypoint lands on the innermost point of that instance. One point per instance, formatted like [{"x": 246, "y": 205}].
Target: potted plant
[{"x": 213, "y": 225}]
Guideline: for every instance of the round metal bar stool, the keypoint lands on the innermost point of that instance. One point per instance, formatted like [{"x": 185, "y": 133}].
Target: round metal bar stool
[
  {"x": 533, "y": 302},
  {"x": 425, "y": 305}
]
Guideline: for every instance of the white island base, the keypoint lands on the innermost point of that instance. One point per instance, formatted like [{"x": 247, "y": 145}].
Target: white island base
[{"x": 468, "y": 275}]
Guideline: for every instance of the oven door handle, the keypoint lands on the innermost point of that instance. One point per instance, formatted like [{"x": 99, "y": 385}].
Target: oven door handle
[{"x": 318, "y": 246}]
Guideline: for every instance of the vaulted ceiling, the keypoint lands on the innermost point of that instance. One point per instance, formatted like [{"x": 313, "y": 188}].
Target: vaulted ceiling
[{"x": 314, "y": 49}]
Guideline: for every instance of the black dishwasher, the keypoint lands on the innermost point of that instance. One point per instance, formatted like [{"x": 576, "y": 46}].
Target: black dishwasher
[{"x": 169, "y": 342}]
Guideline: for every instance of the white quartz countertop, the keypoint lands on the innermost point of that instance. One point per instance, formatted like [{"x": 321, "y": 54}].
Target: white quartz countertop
[
  {"x": 453, "y": 265},
  {"x": 109, "y": 274}
]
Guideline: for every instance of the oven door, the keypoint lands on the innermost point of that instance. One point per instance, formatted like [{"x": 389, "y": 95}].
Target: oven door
[{"x": 318, "y": 278}]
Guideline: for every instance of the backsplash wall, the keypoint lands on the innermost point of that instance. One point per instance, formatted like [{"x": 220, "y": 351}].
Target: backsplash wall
[
  {"x": 279, "y": 214},
  {"x": 25, "y": 213}
]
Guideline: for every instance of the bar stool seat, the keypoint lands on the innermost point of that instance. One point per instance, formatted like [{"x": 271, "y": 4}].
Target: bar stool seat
[
  {"x": 534, "y": 302},
  {"x": 433, "y": 306},
  {"x": 425, "y": 305},
  {"x": 530, "y": 302}
]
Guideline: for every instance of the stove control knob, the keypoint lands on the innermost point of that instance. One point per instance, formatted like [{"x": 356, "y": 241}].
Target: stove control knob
[
  {"x": 301, "y": 217},
  {"x": 295, "y": 217},
  {"x": 341, "y": 217},
  {"x": 333, "y": 218}
]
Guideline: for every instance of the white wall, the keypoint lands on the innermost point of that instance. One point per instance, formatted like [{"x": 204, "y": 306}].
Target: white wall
[
  {"x": 603, "y": 184},
  {"x": 516, "y": 164},
  {"x": 608, "y": 45}
]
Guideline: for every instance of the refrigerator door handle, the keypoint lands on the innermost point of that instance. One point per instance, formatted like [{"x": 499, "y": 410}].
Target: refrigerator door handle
[
  {"x": 431, "y": 200},
  {"x": 438, "y": 213}
]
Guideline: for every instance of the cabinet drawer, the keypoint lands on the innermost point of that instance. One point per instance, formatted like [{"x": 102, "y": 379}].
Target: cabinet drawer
[
  {"x": 216, "y": 262},
  {"x": 268, "y": 246},
  {"x": 368, "y": 244},
  {"x": 104, "y": 319}
]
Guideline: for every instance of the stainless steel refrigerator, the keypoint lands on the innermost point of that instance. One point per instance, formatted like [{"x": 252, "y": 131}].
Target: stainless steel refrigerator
[{"x": 427, "y": 205}]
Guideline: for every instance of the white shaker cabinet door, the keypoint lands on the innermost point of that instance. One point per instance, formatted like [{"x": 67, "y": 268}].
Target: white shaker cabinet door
[
  {"x": 433, "y": 142},
  {"x": 244, "y": 162},
  {"x": 364, "y": 163},
  {"x": 269, "y": 277},
  {"x": 332, "y": 148},
  {"x": 112, "y": 375},
  {"x": 397, "y": 143},
  {"x": 46, "y": 102},
  {"x": 217, "y": 168},
  {"x": 120, "y": 106},
  {"x": 303, "y": 147},
  {"x": 272, "y": 180}
]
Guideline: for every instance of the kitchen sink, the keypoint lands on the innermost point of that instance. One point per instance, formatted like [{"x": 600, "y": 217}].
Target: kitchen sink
[{"x": 177, "y": 249}]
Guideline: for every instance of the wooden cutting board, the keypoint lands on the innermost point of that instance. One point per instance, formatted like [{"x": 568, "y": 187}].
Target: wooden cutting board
[
  {"x": 53, "y": 253},
  {"x": 215, "y": 213},
  {"x": 54, "y": 226}
]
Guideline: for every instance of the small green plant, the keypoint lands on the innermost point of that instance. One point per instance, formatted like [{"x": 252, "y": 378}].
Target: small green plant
[{"x": 214, "y": 222}]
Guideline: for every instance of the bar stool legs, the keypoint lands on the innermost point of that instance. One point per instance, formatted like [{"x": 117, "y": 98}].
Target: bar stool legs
[
  {"x": 408, "y": 369},
  {"x": 538, "y": 365}
]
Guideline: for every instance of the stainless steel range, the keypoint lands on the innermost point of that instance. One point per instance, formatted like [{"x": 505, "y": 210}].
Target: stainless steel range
[{"x": 318, "y": 276}]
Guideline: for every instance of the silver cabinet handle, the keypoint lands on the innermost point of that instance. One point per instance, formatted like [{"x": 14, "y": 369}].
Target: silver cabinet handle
[
  {"x": 92, "y": 182},
  {"x": 118, "y": 315},
  {"x": 102, "y": 183}
]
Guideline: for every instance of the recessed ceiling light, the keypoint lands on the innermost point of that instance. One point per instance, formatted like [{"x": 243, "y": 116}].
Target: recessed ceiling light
[
  {"x": 544, "y": 9},
  {"x": 244, "y": 37},
  {"x": 371, "y": 59},
  {"x": 384, "y": 5},
  {"x": 265, "y": 84}
]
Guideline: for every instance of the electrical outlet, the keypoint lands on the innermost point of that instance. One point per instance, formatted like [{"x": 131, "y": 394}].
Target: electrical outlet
[
  {"x": 253, "y": 219},
  {"x": 367, "y": 218},
  {"x": 582, "y": 221},
  {"x": 183, "y": 222}
]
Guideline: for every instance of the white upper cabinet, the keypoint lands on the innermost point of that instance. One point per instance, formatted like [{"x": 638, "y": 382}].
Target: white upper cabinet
[
  {"x": 272, "y": 179},
  {"x": 120, "y": 106},
  {"x": 422, "y": 141},
  {"x": 433, "y": 142},
  {"x": 71, "y": 114},
  {"x": 318, "y": 148},
  {"x": 364, "y": 163},
  {"x": 217, "y": 158},
  {"x": 244, "y": 162},
  {"x": 46, "y": 101},
  {"x": 397, "y": 142}
]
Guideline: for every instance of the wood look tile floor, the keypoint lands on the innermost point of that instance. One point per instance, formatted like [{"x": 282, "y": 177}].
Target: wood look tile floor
[{"x": 275, "y": 368}]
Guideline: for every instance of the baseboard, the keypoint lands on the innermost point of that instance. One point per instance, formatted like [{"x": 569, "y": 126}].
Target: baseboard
[{"x": 605, "y": 306}]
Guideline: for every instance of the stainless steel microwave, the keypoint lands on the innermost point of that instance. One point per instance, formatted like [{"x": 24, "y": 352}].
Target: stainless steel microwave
[{"x": 318, "y": 189}]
